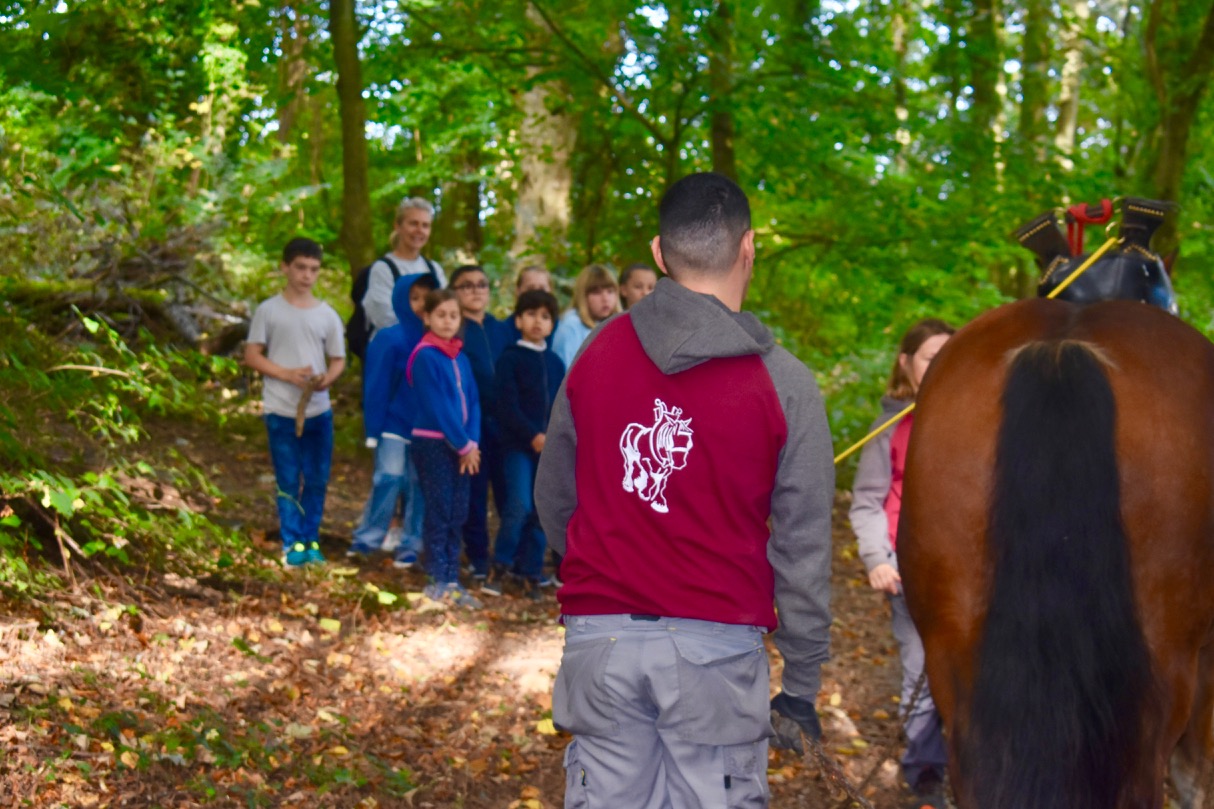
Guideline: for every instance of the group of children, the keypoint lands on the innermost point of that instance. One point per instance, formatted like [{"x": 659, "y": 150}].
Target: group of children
[{"x": 454, "y": 402}]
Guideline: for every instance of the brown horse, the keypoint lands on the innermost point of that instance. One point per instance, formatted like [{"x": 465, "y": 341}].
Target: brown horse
[{"x": 1057, "y": 549}]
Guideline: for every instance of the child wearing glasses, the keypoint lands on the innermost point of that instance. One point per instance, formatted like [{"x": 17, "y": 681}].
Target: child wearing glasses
[{"x": 484, "y": 339}]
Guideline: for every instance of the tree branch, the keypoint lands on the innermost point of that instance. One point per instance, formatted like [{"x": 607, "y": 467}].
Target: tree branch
[
  {"x": 598, "y": 73},
  {"x": 1199, "y": 64},
  {"x": 95, "y": 369}
]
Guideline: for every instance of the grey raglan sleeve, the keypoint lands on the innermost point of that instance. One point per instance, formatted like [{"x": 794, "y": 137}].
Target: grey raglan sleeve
[
  {"x": 378, "y": 300},
  {"x": 800, "y": 550},
  {"x": 867, "y": 514},
  {"x": 555, "y": 480}
]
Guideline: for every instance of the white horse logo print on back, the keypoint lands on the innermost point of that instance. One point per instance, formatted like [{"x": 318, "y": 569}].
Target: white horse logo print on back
[{"x": 652, "y": 453}]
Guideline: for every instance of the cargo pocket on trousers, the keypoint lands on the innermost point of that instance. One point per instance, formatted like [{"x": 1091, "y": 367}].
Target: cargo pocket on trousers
[
  {"x": 580, "y": 704},
  {"x": 575, "y": 779},
  {"x": 723, "y": 693},
  {"x": 746, "y": 776}
]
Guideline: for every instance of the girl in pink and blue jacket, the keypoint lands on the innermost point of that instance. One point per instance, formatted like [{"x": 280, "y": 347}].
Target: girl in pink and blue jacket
[{"x": 446, "y": 432}]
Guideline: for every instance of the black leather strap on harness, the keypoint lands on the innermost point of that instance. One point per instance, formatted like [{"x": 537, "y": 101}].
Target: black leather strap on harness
[{"x": 1130, "y": 271}]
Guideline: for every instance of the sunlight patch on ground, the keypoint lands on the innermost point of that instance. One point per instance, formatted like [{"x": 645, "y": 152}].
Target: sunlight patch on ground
[
  {"x": 29, "y": 653},
  {"x": 530, "y": 659},
  {"x": 424, "y": 653}
]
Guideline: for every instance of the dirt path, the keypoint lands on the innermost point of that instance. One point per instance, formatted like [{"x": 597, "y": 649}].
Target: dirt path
[{"x": 333, "y": 688}]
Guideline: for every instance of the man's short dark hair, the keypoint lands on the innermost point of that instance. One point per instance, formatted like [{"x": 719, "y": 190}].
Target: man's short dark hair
[
  {"x": 537, "y": 299},
  {"x": 702, "y": 220},
  {"x": 635, "y": 266},
  {"x": 462, "y": 271},
  {"x": 300, "y": 246}
]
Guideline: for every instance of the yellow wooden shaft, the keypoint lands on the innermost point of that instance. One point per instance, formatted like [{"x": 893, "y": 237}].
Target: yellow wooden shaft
[
  {"x": 874, "y": 433},
  {"x": 1080, "y": 270}
]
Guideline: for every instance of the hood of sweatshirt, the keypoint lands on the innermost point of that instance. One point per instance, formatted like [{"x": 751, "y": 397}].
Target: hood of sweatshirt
[
  {"x": 679, "y": 328},
  {"x": 410, "y": 322},
  {"x": 890, "y": 406}
]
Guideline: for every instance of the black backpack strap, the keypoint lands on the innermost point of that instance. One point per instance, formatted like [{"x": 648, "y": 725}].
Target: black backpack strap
[
  {"x": 433, "y": 272},
  {"x": 392, "y": 266}
]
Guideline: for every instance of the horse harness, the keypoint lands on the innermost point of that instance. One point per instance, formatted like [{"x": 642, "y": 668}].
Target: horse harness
[{"x": 1132, "y": 270}]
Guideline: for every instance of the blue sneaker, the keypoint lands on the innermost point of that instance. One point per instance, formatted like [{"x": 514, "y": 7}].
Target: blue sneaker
[
  {"x": 405, "y": 561},
  {"x": 312, "y": 555},
  {"x": 295, "y": 555}
]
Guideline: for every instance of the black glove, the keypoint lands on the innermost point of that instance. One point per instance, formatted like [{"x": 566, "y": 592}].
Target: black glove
[{"x": 792, "y": 716}]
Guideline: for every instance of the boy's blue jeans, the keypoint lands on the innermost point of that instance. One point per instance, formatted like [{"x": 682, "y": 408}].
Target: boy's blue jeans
[
  {"x": 446, "y": 494},
  {"x": 520, "y": 541},
  {"x": 395, "y": 474},
  {"x": 301, "y": 470}
]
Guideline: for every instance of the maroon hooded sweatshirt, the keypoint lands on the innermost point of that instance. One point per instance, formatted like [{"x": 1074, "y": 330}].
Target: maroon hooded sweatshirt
[{"x": 688, "y": 472}]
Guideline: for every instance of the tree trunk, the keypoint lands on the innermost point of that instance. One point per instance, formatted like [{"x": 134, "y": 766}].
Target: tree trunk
[
  {"x": 1068, "y": 96},
  {"x": 356, "y": 237},
  {"x": 720, "y": 37},
  {"x": 799, "y": 45},
  {"x": 459, "y": 226},
  {"x": 1034, "y": 84},
  {"x": 547, "y": 137},
  {"x": 598, "y": 168},
  {"x": 317, "y": 139},
  {"x": 1179, "y": 94},
  {"x": 950, "y": 55},
  {"x": 292, "y": 70},
  {"x": 986, "y": 63},
  {"x": 901, "y": 113}
]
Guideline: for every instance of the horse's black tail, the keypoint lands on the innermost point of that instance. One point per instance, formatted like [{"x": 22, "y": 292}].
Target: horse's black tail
[{"x": 1063, "y": 675}]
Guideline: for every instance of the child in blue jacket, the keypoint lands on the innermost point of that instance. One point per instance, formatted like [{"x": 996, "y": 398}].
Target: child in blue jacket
[
  {"x": 388, "y": 412},
  {"x": 528, "y": 377},
  {"x": 446, "y": 429}
]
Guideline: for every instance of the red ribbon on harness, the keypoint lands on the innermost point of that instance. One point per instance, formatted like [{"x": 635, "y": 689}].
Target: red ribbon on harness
[{"x": 1078, "y": 216}]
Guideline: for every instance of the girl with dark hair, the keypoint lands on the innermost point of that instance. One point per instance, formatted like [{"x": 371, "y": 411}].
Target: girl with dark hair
[
  {"x": 446, "y": 435},
  {"x": 636, "y": 281},
  {"x": 876, "y": 502}
]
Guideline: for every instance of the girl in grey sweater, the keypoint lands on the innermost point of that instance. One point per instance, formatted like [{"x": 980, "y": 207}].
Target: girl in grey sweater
[{"x": 876, "y": 502}]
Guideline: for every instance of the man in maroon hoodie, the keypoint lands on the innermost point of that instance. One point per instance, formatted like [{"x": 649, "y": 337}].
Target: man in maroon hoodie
[{"x": 687, "y": 476}]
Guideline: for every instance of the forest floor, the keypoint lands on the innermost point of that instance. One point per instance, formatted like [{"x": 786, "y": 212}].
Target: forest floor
[{"x": 336, "y": 686}]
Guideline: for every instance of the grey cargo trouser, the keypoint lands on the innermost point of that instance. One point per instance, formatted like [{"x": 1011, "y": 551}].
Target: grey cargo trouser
[{"x": 667, "y": 713}]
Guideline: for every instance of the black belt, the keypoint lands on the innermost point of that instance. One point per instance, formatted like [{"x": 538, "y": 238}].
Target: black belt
[{"x": 636, "y": 617}]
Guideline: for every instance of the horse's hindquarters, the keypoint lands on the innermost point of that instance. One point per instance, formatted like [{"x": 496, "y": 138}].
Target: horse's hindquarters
[{"x": 1164, "y": 438}]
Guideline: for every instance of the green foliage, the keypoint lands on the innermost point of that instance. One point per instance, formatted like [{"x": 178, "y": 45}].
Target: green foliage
[
  {"x": 69, "y": 490},
  {"x": 888, "y": 150}
]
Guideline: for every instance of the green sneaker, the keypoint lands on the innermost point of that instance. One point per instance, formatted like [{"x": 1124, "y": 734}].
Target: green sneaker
[
  {"x": 313, "y": 556},
  {"x": 296, "y": 555}
]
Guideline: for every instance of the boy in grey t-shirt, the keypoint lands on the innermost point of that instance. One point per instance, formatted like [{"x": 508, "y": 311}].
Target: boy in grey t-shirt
[{"x": 296, "y": 343}]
